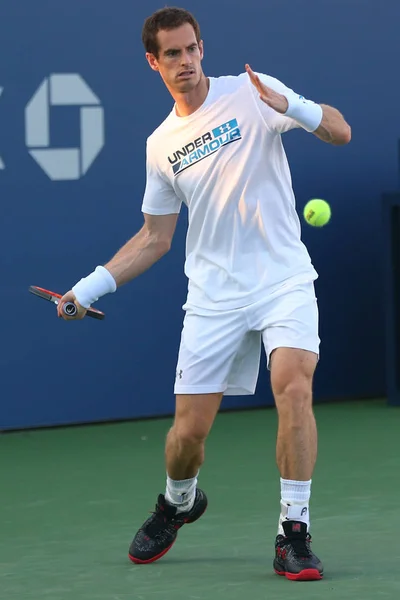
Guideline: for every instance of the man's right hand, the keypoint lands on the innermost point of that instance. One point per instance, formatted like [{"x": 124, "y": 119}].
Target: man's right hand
[{"x": 70, "y": 297}]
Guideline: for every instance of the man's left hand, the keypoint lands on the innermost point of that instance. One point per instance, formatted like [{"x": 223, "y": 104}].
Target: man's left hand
[{"x": 268, "y": 95}]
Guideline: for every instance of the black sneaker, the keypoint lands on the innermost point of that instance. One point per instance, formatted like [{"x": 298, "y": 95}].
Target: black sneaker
[
  {"x": 159, "y": 532},
  {"x": 293, "y": 556}
]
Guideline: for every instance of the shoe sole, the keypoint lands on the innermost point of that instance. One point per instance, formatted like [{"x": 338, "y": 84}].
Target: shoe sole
[
  {"x": 137, "y": 561},
  {"x": 305, "y": 575}
]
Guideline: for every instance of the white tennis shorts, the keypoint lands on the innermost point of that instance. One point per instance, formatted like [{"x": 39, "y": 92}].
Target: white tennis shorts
[{"x": 220, "y": 351}]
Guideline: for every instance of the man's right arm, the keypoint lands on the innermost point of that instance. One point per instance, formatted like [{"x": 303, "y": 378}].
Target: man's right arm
[
  {"x": 144, "y": 249},
  {"x": 160, "y": 208},
  {"x": 150, "y": 244}
]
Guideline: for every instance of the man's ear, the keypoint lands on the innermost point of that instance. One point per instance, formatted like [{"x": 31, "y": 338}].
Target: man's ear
[
  {"x": 201, "y": 48},
  {"x": 153, "y": 62}
]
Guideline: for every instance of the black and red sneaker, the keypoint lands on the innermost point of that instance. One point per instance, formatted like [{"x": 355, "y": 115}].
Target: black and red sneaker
[
  {"x": 293, "y": 556},
  {"x": 158, "y": 533}
]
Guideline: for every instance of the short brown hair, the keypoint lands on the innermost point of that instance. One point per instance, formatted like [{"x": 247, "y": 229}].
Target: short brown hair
[{"x": 166, "y": 18}]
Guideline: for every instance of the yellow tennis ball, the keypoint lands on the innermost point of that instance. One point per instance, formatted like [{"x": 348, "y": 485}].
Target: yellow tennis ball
[{"x": 317, "y": 212}]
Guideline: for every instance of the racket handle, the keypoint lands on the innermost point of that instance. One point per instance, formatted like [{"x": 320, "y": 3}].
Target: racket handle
[{"x": 70, "y": 309}]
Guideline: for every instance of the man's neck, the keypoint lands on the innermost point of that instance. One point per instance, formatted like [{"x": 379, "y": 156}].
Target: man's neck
[{"x": 187, "y": 104}]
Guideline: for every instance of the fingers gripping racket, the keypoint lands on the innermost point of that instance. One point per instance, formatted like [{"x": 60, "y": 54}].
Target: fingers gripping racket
[{"x": 69, "y": 308}]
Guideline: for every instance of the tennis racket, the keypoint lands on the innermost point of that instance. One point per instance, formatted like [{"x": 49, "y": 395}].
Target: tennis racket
[{"x": 69, "y": 308}]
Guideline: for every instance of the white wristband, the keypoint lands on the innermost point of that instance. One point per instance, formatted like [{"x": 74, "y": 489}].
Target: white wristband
[
  {"x": 91, "y": 288},
  {"x": 307, "y": 113}
]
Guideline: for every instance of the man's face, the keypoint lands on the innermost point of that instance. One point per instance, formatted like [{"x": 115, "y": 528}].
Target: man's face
[{"x": 179, "y": 58}]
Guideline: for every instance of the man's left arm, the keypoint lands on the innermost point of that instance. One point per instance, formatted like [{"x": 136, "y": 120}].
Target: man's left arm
[
  {"x": 324, "y": 121},
  {"x": 333, "y": 128}
]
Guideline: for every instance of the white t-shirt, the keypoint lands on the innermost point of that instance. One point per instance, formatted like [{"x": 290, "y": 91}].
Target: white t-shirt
[{"x": 227, "y": 164}]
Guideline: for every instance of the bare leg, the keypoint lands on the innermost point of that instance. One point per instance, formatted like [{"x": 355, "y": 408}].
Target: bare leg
[
  {"x": 184, "y": 454},
  {"x": 194, "y": 416},
  {"x": 292, "y": 373}
]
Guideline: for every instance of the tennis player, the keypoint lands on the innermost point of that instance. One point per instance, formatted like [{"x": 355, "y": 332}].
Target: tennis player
[{"x": 250, "y": 278}]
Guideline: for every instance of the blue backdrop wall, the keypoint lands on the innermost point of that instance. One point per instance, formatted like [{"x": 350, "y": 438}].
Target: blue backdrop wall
[{"x": 69, "y": 201}]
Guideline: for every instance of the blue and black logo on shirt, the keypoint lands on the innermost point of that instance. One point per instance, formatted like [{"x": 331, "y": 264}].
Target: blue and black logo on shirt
[{"x": 204, "y": 146}]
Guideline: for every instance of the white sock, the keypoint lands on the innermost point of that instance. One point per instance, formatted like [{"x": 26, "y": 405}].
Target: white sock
[
  {"x": 295, "y": 498},
  {"x": 181, "y": 493}
]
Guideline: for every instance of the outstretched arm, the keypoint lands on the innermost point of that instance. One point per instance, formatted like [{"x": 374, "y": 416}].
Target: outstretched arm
[
  {"x": 324, "y": 121},
  {"x": 134, "y": 258},
  {"x": 144, "y": 249}
]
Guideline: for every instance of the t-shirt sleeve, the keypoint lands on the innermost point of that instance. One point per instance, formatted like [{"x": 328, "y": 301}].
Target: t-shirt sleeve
[
  {"x": 159, "y": 195},
  {"x": 276, "y": 121}
]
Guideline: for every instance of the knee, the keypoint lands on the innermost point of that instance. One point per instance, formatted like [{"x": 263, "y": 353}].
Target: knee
[
  {"x": 294, "y": 399},
  {"x": 190, "y": 435}
]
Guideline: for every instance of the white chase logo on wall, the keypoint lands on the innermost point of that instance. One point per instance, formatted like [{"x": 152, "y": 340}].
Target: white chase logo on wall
[{"x": 63, "y": 164}]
